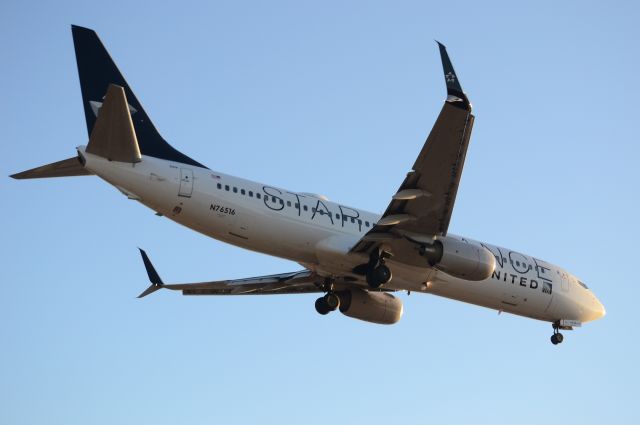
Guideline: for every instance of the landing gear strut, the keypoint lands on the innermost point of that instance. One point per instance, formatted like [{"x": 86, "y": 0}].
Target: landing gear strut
[{"x": 557, "y": 337}]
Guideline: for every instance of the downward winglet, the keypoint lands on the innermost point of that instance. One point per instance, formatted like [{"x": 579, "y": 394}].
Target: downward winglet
[
  {"x": 455, "y": 94},
  {"x": 154, "y": 278}
]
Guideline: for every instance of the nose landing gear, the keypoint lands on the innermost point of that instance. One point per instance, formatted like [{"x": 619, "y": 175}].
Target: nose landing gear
[{"x": 557, "y": 337}]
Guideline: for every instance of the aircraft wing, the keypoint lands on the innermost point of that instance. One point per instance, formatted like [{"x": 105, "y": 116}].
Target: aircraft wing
[
  {"x": 424, "y": 202},
  {"x": 301, "y": 282}
]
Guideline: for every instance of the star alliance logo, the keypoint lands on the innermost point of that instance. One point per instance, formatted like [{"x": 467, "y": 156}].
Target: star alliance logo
[{"x": 450, "y": 77}]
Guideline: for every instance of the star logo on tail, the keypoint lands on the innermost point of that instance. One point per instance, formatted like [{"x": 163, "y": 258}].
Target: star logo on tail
[{"x": 450, "y": 77}]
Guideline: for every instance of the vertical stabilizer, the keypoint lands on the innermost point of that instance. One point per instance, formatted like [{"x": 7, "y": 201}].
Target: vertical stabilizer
[{"x": 97, "y": 71}]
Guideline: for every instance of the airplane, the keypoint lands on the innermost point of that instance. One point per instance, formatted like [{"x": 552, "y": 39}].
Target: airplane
[{"x": 356, "y": 260}]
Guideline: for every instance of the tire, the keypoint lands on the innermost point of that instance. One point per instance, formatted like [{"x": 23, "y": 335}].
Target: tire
[
  {"x": 321, "y": 306},
  {"x": 379, "y": 276},
  {"x": 332, "y": 301}
]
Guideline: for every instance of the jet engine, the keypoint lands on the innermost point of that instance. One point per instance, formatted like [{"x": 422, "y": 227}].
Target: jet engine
[
  {"x": 460, "y": 259},
  {"x": 375, "y": 307}
]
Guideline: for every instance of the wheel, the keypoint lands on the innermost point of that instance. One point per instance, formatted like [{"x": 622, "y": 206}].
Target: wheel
[
  {"x": 559, "y": 338},
  {"x": 378, "y": 276},
  {"x": 321, "y": 306},
  {"x": 332, "y": 301},
  {"x": 554, "y": 339}
]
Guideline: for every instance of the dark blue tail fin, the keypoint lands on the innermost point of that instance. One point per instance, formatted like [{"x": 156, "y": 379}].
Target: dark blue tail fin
[{"x": 97, "y": 71}]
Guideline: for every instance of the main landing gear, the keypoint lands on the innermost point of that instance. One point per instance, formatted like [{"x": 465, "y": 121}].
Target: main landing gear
[
  {"x": 378, "y": 272},
  {"x": 557, "y": 337},
  {"x": 327, "y": 303}
]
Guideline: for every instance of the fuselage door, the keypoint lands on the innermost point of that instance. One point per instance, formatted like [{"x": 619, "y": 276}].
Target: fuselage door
[{"x": 186, "y": 182}]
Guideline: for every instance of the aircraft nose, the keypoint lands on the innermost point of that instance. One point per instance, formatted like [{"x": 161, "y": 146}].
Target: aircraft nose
[
  {"x": 596, "y": 310},
  {"x": 600, "y": 309}
]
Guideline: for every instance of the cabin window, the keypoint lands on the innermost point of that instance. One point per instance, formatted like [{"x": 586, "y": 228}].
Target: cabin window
[
  {"x": 273, "y": 198},
  {"x": 359, "y": 222},
  {"x": 366, "y": 223},
  {"x": 337, "y": 216},
  {"x": 304, "y": 207},
  {"x": 353, "y": 219},
  {"x": 219, "y": 185},
  {"x": 243, "y": 192},
  {"x": 288, "y": 203},
  {"x": 281, "y": 202},
  {"x": 226, "y": 187},
  {"x": 258, "y": 196},
  {"x": 250, "y": 194},
  {"x": 297, "y": 205},
  {"x": 235, "y": 189}
]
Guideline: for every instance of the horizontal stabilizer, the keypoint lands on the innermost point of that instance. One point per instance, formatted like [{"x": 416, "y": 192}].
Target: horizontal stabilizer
[
  {"x": 65, "y": 168},
  {"x": 113, "y": 136}
]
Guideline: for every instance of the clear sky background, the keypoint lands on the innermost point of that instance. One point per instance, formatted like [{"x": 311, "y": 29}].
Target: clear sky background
[{"x": 332, "y": 97}]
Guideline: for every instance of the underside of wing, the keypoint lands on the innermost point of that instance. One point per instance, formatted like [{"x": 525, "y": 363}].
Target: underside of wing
[{"x": 301, "y": 282}]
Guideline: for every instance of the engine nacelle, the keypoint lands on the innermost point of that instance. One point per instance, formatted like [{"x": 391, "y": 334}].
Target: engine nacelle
[
  {"x": 460, "y": 259},
  {"x": 375, "y": 307}
]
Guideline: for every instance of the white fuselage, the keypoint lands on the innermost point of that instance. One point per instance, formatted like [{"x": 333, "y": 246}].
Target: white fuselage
[{"x": 318, "y": 234}]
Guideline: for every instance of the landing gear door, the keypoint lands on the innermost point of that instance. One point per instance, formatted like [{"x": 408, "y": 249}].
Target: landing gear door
[{"x": 186, "y": 183}]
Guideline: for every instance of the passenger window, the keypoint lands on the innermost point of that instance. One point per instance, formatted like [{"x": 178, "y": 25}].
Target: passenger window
[
  {"x": 219, "y": 185},
  {"x": 366, "y": 223},
  {"x": 359, "y": 222},
  {"x": 273, "y": 198},
  {"x": 337, "y": 216},
  {"x": 243, "y": 192},
  {"x": 353, "y": 219},
  {"x": 226, "y": 187},
  {"x": 258, "y": 196},
  {"x": 288, "y": 203},
  {"x": 281, "y": 202},
  {"x": 235, "y": 189},
  {"x": 250, "y": 194},
  {"x": 297, "y": 205},
  {"x": 305, "y": 208}
]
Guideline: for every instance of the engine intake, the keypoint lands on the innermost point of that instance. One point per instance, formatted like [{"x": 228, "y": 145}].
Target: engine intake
[
  {"x": 374, "y": 307},
  {"x": 460, "y": 259}
]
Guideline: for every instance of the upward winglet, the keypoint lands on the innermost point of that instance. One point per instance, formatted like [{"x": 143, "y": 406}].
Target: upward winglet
[
  {"x": 455, "y": 94},
  {"x": 156, "y": 282}
]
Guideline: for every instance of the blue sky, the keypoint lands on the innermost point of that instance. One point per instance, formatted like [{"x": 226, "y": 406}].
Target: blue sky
[{"x": 334, "y": 98}]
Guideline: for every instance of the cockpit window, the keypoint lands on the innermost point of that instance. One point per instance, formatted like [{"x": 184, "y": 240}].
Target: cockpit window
[{"x": 583, "y": 285}]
